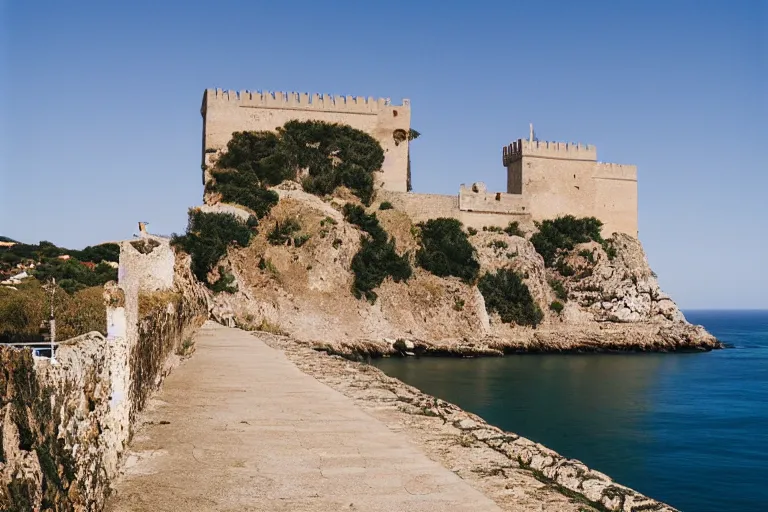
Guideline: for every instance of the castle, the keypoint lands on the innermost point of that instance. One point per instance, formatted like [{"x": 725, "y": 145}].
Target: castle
[{"x": 544, "y": 179}]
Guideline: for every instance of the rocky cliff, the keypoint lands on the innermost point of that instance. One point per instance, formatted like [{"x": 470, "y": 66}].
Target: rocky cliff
[{"x": 606, "y": 301}]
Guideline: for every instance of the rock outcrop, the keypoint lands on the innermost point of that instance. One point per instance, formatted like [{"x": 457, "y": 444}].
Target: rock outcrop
[{"x": 613, "y": 303}]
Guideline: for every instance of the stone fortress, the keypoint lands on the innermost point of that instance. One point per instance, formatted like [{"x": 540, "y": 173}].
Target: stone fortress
[{"x": 544, "y": 179}]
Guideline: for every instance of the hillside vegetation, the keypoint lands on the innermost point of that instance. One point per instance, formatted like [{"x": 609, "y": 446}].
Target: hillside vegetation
[{"x": 79, "y": 306}]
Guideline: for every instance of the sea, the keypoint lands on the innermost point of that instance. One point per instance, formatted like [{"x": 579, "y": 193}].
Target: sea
[{"x": 689, "y": 429}]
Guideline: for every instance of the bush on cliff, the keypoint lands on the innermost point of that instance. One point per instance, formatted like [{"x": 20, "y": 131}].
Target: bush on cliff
[
  {"x": 555, "y": 237},
  {"x": 377, "y": 258},
  {"x": 257, "y": 155},
  {"x": 374, "y": 262},
  {"x": 355, "y": 214},
  {"x": 207, "y": 237},
  {"x": 332, "y": 155},
  {"x": 446, "y": 251},
  {"x": 506, "y": 293}
]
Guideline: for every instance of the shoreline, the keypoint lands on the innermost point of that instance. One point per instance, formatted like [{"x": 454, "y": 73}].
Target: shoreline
[
  {"x": 515, "y": 472},
  {"x": 615, "y": 339}
]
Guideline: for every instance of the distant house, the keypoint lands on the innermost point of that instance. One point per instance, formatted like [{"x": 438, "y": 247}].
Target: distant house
[
  {"x": 64, "y": 257},
  {"x": 91, "y": 265}
]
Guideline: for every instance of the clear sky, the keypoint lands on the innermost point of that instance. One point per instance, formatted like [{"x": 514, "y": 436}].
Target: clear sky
[{"x": 101, "y": 125}]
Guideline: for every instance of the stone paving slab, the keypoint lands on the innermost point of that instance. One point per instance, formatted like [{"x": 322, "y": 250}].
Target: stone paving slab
[{"x": 238, "y": 427}]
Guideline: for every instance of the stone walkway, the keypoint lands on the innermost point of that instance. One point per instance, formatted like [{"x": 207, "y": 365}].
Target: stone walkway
[{"x": 238, "y": 427}]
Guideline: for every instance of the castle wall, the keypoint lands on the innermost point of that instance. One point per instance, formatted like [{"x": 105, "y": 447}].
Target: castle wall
[
  {"x": 477, "y": 199},
  {"x": 225, "y": 112},
  {"x": 422, "y": 207}
]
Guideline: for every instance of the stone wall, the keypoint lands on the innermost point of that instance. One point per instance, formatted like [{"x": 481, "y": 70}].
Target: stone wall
[
  {"x": 225, "y": 112},
  {"x": 422, "y": 207},
  {"x": 64, "y": 425},
  {"x": 477, "y": 199}
]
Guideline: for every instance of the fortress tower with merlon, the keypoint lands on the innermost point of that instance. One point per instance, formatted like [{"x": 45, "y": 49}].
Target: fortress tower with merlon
[
  {"x": 226, "y": 112},
  {"x": 558, "y": 178}
]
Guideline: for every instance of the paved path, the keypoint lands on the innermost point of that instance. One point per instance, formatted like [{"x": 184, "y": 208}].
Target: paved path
[{"x": 239, "y": 428}]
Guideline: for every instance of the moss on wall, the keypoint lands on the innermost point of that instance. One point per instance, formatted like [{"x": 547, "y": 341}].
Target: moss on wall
[{"x": 35, "y": 410}]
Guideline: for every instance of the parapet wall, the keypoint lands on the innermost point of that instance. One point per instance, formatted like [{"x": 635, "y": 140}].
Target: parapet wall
[
  {"x": 544, "y": 149},
  {"x": 477, "y": 199},
  {"x": 606, "y": 171},
  {"x": 64, "y": 426},
  {"x": 422, "y": 207},
  {"x": 301, "y": 101}
]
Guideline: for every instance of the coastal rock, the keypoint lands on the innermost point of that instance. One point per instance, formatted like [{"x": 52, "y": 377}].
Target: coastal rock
[
  {"x": 404, "y": 345},
  {"x": 612, "y": 303}
]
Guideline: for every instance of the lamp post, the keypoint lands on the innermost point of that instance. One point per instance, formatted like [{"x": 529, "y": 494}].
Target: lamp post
[{"x": 51, "y": 287}]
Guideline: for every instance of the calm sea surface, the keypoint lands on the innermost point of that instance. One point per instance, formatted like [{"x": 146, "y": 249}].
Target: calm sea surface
[{"x": 687, "y": 429}]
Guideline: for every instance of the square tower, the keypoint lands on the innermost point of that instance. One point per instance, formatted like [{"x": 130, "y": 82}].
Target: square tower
[{"x": 558, "y": 178}]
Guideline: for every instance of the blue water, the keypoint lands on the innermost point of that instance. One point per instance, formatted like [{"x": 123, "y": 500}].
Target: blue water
[{"x": 687, "y": 429}]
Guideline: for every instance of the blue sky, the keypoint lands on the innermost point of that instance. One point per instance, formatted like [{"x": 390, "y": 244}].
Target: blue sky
[{"x": 101, "y": 125}]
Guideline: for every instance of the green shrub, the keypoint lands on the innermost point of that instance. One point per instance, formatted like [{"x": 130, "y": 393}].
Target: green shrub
[
  {"x": 328, "y": 220},
  {"x": 498, "y": 244},
  {"x": 259, "y": 157},
  {"x": 225, "y": 282},
  {"x": 376, "y": 258},
  {"x": 493, "y": 229},
  {"x": 471, "y": 231},
  {"x": 506, "y": 293},
  {"x": 207, "y": 237},
  {"x": 22, "y": 310},
  {"x": 243, "y": 188},
  {"x": 564, "y": 269},
  {"x": 334, "y": 154},
  {"x": 556, "y": 237},
  {"x": 513, "y": 229},
  {"x": 355, "y": 214},
  {"x": 556, "y": 306},
  {"x": 386, "y": 205},
  {"x": 587, "y": 255},
  {"x": 374, "y": 262},
  {"x": 458, "y": 304},
  {"x": 72, "y": 276},
  {"x": 446, "y": 251},
  {"x": 98, "y": 253},
  {"x": 559, "y": 289},
  {"x": 282, "y": 233},
  {"x": 300, "y": 240}
]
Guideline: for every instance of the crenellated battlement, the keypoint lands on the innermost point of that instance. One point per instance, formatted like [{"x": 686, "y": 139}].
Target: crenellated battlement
[
  {"x": 544, "y": 149},
  {"x": 300, "y": 101}
]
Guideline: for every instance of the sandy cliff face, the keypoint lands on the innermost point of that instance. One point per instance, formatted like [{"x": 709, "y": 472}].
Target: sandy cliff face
[{"x": 613, "y": 303}]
